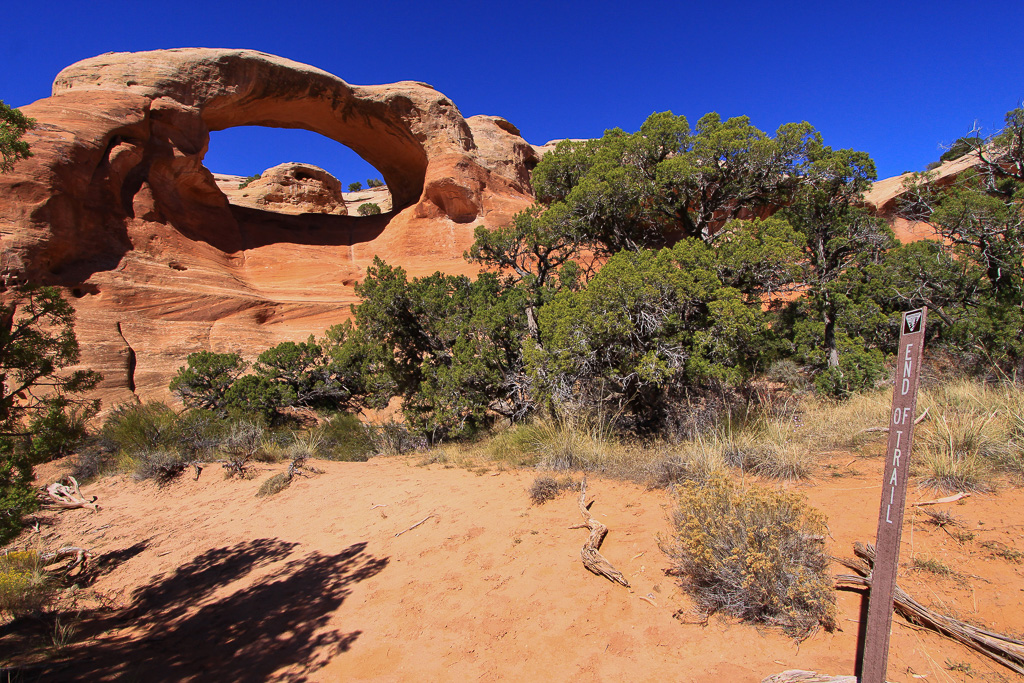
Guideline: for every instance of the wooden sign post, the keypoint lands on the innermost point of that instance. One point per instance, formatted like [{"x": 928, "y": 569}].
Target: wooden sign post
[{"x": 894, "y": 497}]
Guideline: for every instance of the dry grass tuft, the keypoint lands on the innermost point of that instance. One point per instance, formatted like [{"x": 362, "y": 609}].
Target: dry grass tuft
[
  {"x": 931, "y": 565},
  {"x": 755, "y": 553},
  {"x": 275, "y": 484},
  {"x": 546, "y": 487}
]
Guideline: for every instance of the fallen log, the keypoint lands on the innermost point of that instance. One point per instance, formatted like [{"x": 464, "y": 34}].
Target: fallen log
[
  {"x": 1006, "y": 650},
  {"x": 592, "y": 559}
]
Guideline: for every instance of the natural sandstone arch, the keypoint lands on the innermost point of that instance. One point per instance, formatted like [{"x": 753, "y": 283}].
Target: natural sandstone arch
[
  {"x": 393, "y": 127},
  {"x": 116, "y": 205}
]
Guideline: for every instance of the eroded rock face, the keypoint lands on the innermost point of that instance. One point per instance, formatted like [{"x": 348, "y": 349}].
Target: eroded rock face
[
  {"x": 292, "y": 188},
  {"x": 116, "y": 205}
]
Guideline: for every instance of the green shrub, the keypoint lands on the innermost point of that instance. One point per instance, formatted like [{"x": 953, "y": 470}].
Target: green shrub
[
  {"x": 859, "y": 369},
  {"x": 133, "y": 427},
  {"x": 345, "y": 438},
  {"x": 375, "y": 182},
  {"x": 368, "y": 209},
  {"x": 257, "y": 397},
  {"x": 393, "y": 438},
  {"x": 24, "y": 585},
  {"x": 205, "y": 381},
  {"x": 355, "y": 187},
  {"x": 17, "y": 496},
  {"x": 755, "y": 553},
  {"x": 786, "y": 372},
  {"x": 59, "y": 429},
  {"x": 248, "y": 179}
]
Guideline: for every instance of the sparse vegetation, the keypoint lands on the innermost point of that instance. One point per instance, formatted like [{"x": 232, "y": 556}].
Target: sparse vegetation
[
  {"x": 162, "y": 465},
  {"x": 274, "y": 484},
  {"x": 375, "y": 182},
  {"x": 1004, "y": 551},
  {"x": 248, "y": 179},
  {"x": 546, "y": 487},
  {"x": 355, "y": 187},
  {"x": 24, "y": 584},
  {"x": 931, "y": 565},
  {"x": 243, "y": 442},
  {"x": 753, "y": 553},
  {"x": 368, "y": 209}
]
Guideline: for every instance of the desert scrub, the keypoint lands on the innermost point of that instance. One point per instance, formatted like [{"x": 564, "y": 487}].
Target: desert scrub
[
  {"x": 546, "y": 487},
  {"x": 369, "y": 209},
  {"x": 753, "y": 553},
  {"x": 162, "y": 465},
  {"x": 693, "y": 461},
  {"x": 248, "y": 179},
  {"x": 345, "y": 438},
  {"x": 932, "y": 565},
  {"x": 24, "y": 585},
  {"x": 567, "y": 444},
  {"x": 135, "y": 427},
  {"x": 975, "y": 431},
  {"x": 275, "y": 484}
]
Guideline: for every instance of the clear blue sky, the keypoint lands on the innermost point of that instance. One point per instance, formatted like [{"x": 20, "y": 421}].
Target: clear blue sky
[{"x": 895, "y": 79}]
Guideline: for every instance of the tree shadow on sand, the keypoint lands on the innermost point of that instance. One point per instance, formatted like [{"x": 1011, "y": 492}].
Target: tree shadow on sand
[{"x": 185, "y": 626}]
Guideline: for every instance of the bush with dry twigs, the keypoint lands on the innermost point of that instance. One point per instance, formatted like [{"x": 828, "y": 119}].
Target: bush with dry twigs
[
  {"x": 753, "y": 553},
  {"x": 546, "y": 487}
]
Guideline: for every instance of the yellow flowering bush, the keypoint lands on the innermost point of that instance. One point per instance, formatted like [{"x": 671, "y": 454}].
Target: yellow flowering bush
[
  {"x": 24, "y": 586},
  {"x": 753, "y": 553}
]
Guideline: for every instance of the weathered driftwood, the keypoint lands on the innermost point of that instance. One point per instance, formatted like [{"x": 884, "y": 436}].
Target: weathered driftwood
[
  {"x": 592, "y": 559},
  {"x": 800, "y": 676},
  {"x": 948, "y": 499},
  {"x": 1006, "y": 650},
  {"x": 65, "y": 495},
  {"x": 80, "y": 555}
]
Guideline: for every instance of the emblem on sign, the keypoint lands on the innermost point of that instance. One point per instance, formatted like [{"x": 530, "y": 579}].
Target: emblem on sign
[{"x": 911, "y": 321}]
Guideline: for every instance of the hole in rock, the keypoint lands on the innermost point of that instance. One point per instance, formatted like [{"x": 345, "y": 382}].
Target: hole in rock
[{"x": 291, "y": 163}]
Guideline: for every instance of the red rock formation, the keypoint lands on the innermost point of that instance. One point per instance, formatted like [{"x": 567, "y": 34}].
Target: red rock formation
[{"x": 116, "y": 205}]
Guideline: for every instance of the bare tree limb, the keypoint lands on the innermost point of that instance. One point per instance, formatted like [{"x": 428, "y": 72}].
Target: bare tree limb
[{"x": 592, "y": 559}]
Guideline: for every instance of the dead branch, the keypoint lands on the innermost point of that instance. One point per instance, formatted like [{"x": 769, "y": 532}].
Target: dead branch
[
  {"x": 592, "y": 559},
  {"x": 948, "y": 499},
  {"x": 415, "y": 525},
  {"x": 64, "y": 494},
  {"x": 798, "y": 676},
  {"x": 80, "y": 555},
  {"x": 1006, "y": 650},
  {"x": 919, "y": 420}
]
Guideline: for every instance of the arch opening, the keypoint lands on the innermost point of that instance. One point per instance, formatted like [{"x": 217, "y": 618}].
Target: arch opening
[{"x": 293, "y": 171}]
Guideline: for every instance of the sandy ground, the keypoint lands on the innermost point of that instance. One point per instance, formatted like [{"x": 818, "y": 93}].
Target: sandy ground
[{"x": 201, "y": 580}]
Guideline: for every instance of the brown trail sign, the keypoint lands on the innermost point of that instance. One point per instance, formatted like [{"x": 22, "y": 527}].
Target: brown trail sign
[{"x": 894, "y": 497}]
